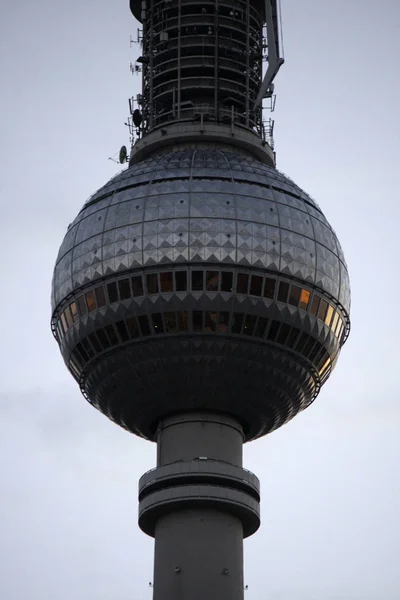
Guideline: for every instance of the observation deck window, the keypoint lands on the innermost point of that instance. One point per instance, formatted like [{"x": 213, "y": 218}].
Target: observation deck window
[
  {"x": 197, "y": 281},
  {"x": 256, "y": 285},
  {"x": 226, "y": 281},
  {"x": 100, "y": 296},
  {"x": 133, "y": 327},
  {"x": 323, "y": 307},
  {"x": 112, "y": 292},
  {"x": 315, "y": 305},
  {"x": 294, "y": 295},
  {"x": 166, "y": 282},
  {"x": 152, "y": 283},
  {"x": 144, "y": 325},
  {"x": 273, "y": 330},
  {"x": 283, "y": 291},
  {"x": 304, "y": 299},
  {"x": 82, "y": 305},
  {"x": 137, "y": 286},
  {"x": 181, "y": 281},
  {"x": 124, "y": 289},
  {"x": 237, "y": 322},
  {"x": 269, "y": 288},
  {"x": 91, "y": 301},
  {"x": 242, "y": 283},
  {"x": 212, "y": 281},
  {"x": 122, "y": 331},
  {"x": 158, "y": 323}
]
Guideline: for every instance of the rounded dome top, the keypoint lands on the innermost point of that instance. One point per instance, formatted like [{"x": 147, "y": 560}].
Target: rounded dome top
[{"x": 157, "y": 242}]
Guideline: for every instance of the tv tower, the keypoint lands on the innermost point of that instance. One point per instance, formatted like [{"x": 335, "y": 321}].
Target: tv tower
[{"x": 200, "y": 298}]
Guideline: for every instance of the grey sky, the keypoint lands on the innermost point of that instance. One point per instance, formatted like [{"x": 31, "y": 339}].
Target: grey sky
[{"x": 330, "y": 479}]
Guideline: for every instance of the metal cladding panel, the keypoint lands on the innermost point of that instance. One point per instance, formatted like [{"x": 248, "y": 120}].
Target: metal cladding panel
[{"x": 201, "y": 205}]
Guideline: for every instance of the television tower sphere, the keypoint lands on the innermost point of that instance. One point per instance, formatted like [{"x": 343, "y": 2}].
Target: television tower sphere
[
  {"x": 200, "y": 298},
  {"x": 200, "y": 279}
]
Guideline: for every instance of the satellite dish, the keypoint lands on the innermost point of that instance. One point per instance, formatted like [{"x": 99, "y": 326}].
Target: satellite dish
[
  {"x": 137, "y": 117},
  {"x": 123, "y": 155}
]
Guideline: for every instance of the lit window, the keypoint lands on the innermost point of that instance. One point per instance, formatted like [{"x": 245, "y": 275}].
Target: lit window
[
  {"x": 340, "y": 329},
  {"x": 256, "y": 285},
  {"x": 315, "y": 305},
  {"x": 325, "y": 366},
  {"x": 170, "y": 322},
  {"x": 226, "y": 281},
  {"x": 166, "y": 283},
  {"x": 100, "y": 296},
  {"x": 237, "y": 322},
  {"x": 338, "y": 326},
  {"x": 212, "y": 278},
  {"x": 90, "y": 301},
  {"x": 157, "y": 323},
  {"x": 152, "y": 284},
  {"x": 334, "y": 322},
  {"x": 273, "y": 330},
  {"x": 137, "y": 286},
  {"x": 133, "y": 327},
  {"x": 112, "y": 292},
  {"x": 242, "y": 283},
  {"x": 304, "y": 299},
  {"x": 181, "y": 281},
  {"x": 74, "y": 311},
  {"x": 323, "y": 307},
  {"x": 197, "y": 281},
  {"x": 82, "y": 305},
  {"x": 122, "y": 330},
  {"x": 68, "y": 316},
  {"x": 294, "y": 295},
  {"x": 328, "y": 316},
  {"x": 144, "y": 325},
  {"x": 197, "y": 320},
  {"x": 283, "y": 291},
  {"x": 269, "y": 287}
]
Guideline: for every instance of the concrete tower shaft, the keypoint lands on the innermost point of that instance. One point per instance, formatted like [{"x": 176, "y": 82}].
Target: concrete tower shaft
[{"x": 198, "y": 504}]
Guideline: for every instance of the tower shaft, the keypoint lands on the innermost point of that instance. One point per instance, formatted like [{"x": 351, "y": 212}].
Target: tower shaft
[{"x": 199, "y": 504}]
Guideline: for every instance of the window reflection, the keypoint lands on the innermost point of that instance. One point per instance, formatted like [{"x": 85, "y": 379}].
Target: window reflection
[
  {"x": 171, "y": 325},
  {"x": 212, "y": 278},
  {"x": 100, "y": 296},
  {"x": 124, "y": 289},
  {"x": 269, "y": 287},
  {"x": 328, "y": 316},
  {"x": 166, "y": 282},
  {"x": 294, "y": 295},
  {"x": 226, "y": 281},
  {"x": 256, "y": 285},
  {"x": 152, "y": 283},
  {"x": 283, "y": 291},
  {"x": 323, "y": 307},
  {"x": 181, "y": 281},
  {"x": 242, "y": 283},
  {"x": 197, "y": 281},
  {"x": 112, "y": 292},
  {"x": 137, "y": 286},
  {"x": 315, "y": 305},
  {"x": 82, "y": 305},
  {"x": 68, "y": 317}
]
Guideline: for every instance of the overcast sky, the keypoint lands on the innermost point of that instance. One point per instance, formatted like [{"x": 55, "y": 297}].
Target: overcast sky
[{"x": 330, "y": 479}]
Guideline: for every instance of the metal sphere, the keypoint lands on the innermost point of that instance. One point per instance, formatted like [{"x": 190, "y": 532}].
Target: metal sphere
[{"x": 200, "y": 279}]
